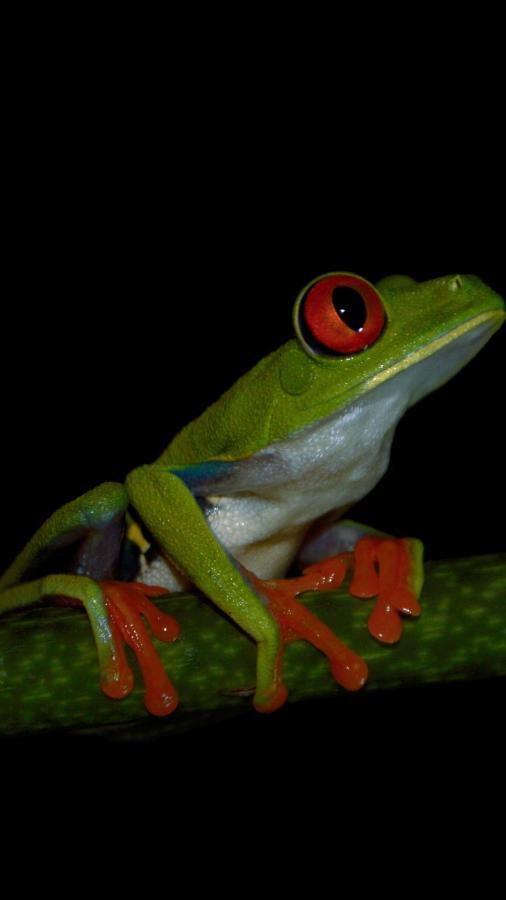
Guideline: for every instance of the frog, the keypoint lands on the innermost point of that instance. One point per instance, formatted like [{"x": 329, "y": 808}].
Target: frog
[{"x": 248, "y": 503}]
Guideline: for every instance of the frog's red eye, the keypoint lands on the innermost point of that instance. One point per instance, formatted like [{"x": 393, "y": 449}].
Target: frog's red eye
[{"x": 342, "y": 314}]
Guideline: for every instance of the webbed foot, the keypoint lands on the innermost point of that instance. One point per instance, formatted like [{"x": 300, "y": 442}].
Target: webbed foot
[
  {"x": 128, "y": 604},
  {"x": 389, "y": 569},
  {"x": 296, "y": 622}
]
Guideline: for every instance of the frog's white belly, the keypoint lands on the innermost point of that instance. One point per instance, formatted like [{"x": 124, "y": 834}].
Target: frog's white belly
[
  {"x": 291, "y": 484},
  {"x": 263, "y": 507}
]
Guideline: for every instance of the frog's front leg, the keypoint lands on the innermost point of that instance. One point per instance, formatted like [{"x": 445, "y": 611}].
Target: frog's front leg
[
  {"x": 175, "y": 518},
  {"x": 390, "y": 569},
  {"x": 176, "y": 521}
]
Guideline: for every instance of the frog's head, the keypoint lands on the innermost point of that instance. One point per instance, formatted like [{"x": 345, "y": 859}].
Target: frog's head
[{"x": 353, "y": 336}]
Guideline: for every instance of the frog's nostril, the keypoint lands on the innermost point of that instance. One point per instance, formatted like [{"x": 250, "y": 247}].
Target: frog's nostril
[{"x": 456, "y": 283}]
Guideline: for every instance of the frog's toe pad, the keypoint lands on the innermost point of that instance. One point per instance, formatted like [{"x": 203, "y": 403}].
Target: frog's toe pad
[
  {"x": 297, "y": 622},
  {"x": 275, "y": 700},
  {"x": 391, "y": 570},
  {"x": 128, "y": 605}
]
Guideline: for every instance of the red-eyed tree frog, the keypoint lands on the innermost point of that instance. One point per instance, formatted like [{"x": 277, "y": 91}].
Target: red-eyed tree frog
[{"x": 259, "y": 482}]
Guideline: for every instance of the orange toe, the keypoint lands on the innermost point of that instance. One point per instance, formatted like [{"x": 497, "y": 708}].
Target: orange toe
[
  {"x": 299, "y": 623},
  {"x": 128, "y": 605}
]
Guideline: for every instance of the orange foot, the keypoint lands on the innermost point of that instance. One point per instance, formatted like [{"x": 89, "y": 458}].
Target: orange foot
[
  {"x": 127, "y": 602},
  {"x": 389, "y": 569},
  {"x": 392, "y": 570},
  {"x": 297, "y": 622}
]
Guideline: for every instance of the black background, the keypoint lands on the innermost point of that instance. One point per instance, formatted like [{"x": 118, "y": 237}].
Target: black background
[
  {"x": 163, "y": 180},
  {"x": 139, "y": 290}
]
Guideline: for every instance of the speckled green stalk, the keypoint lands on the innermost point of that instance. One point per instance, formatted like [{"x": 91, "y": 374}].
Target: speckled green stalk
[{"x": 49, "y": 674}]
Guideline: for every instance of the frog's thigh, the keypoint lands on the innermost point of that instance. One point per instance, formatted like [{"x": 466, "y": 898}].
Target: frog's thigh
[
  {"x": 96, "y": 516},
  {"x": 174, "y": 517},
  {"x": 324, "y": 541}
]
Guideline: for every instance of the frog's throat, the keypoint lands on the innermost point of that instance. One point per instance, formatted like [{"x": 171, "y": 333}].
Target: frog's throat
[{"x": 493, "y": 318}]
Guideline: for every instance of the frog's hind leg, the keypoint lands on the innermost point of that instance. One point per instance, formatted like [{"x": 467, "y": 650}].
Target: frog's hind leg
[
  {"x": 390, "y": 569},
  {"x": 94, "y": 521}
]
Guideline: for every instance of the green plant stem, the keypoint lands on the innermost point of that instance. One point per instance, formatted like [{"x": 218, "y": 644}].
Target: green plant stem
[{"x": 49, "y": 673}]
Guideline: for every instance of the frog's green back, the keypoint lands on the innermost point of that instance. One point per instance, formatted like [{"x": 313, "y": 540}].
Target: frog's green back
[{"x": 237, "y": 424}]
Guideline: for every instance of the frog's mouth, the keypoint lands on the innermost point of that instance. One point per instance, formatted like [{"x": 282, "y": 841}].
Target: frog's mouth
[{"x": 441, "y": 357}]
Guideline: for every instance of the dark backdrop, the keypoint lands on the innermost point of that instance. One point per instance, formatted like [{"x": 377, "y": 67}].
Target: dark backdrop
[{"x": 134, "y": 300}]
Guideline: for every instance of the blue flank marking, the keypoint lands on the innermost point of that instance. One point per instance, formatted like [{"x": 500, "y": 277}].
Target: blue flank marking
[{"x": 203, "y": 475}]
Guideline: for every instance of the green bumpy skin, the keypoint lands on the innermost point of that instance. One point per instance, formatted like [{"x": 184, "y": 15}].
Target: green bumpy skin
[{"x": 304, "y": 434}]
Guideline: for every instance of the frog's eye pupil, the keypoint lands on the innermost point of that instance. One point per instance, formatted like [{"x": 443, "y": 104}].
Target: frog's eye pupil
[
  {"x": 350, "y": 306},
  {"x": 339, "y": 314}
]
